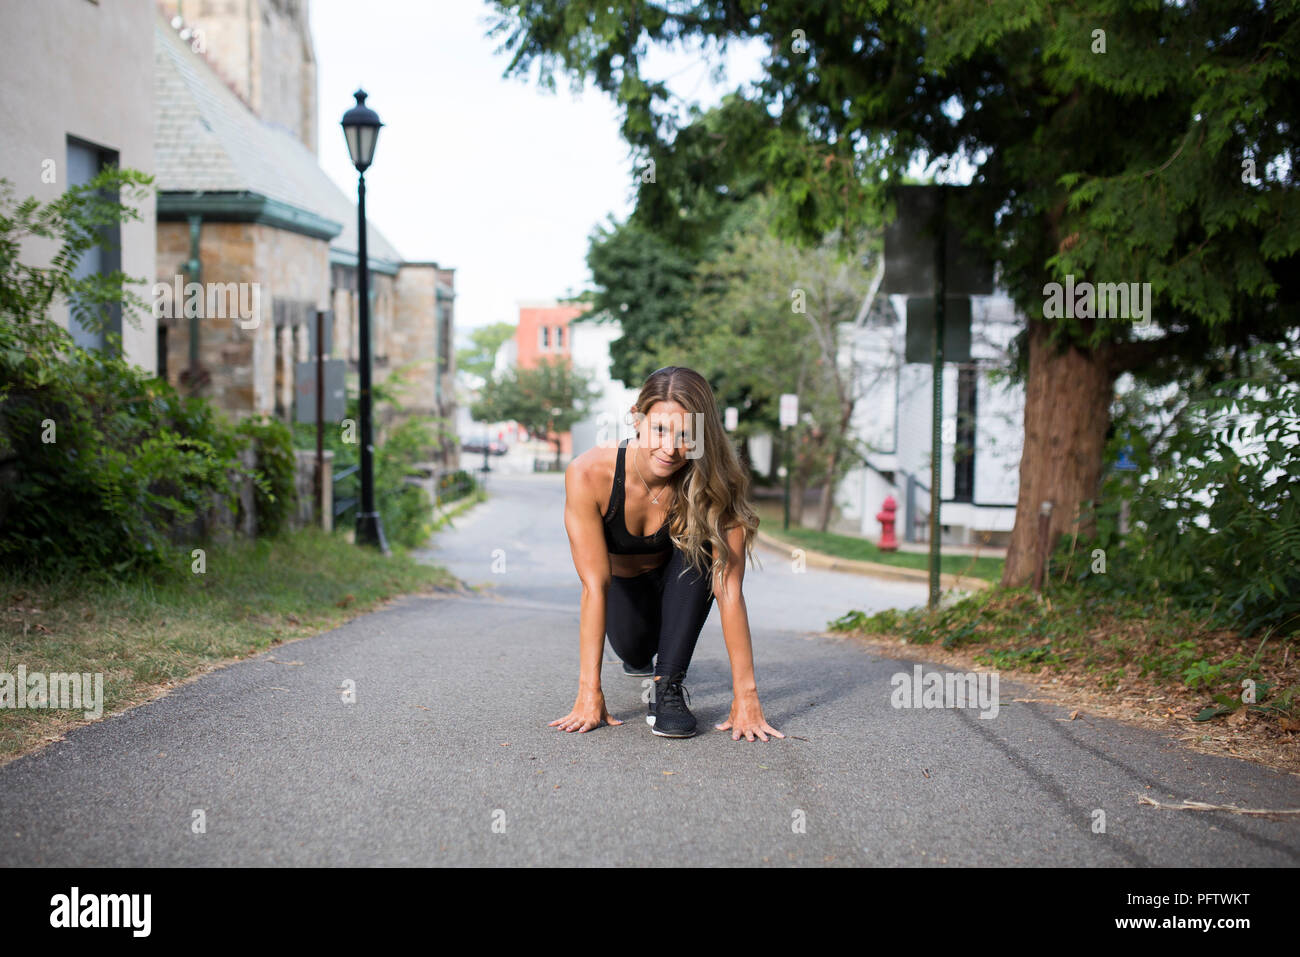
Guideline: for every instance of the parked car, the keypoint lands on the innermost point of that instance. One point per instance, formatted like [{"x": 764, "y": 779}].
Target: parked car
[{"x": 479, "y": 442}]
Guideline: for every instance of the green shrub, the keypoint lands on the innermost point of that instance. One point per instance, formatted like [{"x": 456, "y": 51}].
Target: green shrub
[
  {"x": 405, "y": 510},
  {"x": 276, "y": 497},
  {"x": 1215, "y": 523},
  {"x": 453, "y": 486},
  {"x": 101, "y": 464}
]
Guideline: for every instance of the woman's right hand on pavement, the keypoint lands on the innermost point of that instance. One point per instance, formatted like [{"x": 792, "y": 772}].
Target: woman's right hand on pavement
[{"x": 588, "y": 712}]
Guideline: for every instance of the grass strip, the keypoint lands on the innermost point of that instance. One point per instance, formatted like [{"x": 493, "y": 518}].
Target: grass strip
[
  {"x": 861, "y": 549},
  {"x": 144, "y": 632}
]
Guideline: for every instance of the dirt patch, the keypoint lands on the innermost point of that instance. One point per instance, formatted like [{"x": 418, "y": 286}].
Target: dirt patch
[{"x": 1136, "y": 700}]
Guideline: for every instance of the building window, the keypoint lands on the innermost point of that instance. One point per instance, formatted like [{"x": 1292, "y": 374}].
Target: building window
[
  {"x": 559, "y": 337},
  {"x": 444, "y": 351},
  {"x": 545, "y": 343},
  {"x": 85, "y": 162},
  {"x": 444, "y": 339},
  {"x": 964, "y": 453}
]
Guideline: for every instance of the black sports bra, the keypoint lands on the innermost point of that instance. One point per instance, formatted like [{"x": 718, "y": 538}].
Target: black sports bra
[{"x": 617, "y": 538}]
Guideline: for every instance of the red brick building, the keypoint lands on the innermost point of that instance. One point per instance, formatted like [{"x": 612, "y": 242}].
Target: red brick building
[{"x": 543, "y": 333}]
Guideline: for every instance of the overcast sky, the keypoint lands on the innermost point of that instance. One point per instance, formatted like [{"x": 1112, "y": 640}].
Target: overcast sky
[{"x": 497, "y": 178}]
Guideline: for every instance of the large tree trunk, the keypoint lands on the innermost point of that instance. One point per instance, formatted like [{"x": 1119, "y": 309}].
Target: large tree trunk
[
  {"x": 828, "y": 498},
  {"x": 1067, "y": 413},
  {"x": 804, "y": 460},
  {"x": 798, "y": 489},
  {"x": 828, "y": 487}
]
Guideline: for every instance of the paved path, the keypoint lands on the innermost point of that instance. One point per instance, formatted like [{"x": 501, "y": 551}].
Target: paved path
[{"x": 446, "y": 757}]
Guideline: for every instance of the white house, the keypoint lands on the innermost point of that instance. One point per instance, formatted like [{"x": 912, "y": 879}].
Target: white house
[
  {"x": 589, "y": 342},
  {"x": 893, "y": 418}
]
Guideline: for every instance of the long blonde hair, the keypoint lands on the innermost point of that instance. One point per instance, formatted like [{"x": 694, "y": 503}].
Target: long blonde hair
[{"x": 711, "y": 491}]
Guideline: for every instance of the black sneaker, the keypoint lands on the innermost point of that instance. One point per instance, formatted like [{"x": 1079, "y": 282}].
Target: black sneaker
[
  {"x": 644, "y": 671},
  {"x": 669, "y": 716}
]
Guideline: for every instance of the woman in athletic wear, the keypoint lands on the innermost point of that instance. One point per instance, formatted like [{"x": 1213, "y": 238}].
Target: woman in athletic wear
[{"x": 659, "y": 528}]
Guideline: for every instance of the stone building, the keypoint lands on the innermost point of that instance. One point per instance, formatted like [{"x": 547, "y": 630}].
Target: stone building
[
  {"x": 263, "y": 50},
  {"x": 246, "y": 212}
]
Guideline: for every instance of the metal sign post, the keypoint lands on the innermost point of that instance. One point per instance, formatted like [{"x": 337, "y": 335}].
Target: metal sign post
[
  {"x": 925, "y": 256},
  {"x": 320, "y": 395},
  {"x": 936, "y": 415}
]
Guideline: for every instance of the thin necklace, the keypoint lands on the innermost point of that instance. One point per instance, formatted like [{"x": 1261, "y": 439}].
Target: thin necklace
[{"x": 653, "y": 498}]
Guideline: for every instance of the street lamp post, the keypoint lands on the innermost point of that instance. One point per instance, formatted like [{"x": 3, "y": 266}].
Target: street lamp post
[{"x": 361, "y": 129}]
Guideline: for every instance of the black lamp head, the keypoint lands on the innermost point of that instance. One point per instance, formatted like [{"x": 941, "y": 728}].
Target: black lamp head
[{"x": 361, "y": 129}]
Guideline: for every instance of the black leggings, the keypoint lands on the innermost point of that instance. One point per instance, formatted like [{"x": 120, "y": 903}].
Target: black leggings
[{"x": 658, "y": 613}]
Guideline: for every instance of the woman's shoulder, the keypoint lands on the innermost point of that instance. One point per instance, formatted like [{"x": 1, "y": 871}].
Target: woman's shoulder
[
  {"x": 594, "y": 468},
  {"x": 596, "y": 458}
]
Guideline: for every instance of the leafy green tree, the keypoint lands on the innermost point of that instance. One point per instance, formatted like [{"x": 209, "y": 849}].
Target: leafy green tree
[
  {"x": 1113, "y": 140},
  {"x": 547, "y": 400},
  {"x": 768, "y": 316},
  {"x": 688, "y": 202},
  {"x": 479, "y": 358},
  {"x": 644, "y": 282}
]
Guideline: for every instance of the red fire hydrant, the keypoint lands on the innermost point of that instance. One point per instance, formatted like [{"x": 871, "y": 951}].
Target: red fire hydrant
[{"x": 888, "y": 543}]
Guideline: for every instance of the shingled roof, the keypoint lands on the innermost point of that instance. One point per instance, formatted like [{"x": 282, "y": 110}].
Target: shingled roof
[{"x": 207, "y": 140}]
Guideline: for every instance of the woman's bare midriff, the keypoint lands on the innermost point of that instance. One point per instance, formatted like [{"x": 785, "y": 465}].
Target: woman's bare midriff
[{"x": 629, "y": 566}]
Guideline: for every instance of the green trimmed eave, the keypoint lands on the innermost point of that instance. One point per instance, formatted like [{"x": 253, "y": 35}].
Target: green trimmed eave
[
  {"x": 346, "y": 257},
  {"x": 246, "y": 207}
]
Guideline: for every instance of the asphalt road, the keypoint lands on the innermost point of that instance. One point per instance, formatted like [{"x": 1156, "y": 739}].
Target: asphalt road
[{"x": 445, "y": 757}]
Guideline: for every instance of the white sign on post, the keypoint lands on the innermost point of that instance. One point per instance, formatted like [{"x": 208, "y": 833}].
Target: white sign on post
[{"x": 789, "y": 409}]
